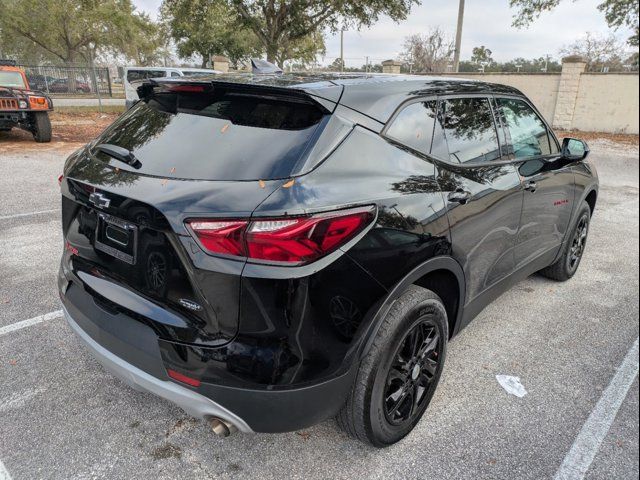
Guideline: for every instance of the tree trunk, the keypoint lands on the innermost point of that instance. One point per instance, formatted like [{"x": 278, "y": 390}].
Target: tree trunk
[
  {"x": 272, "y": 53},
  {"x": 71, "y": 73}
]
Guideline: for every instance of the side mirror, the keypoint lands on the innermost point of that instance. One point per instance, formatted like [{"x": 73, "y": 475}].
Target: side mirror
[{"x": 574, "y": 149}]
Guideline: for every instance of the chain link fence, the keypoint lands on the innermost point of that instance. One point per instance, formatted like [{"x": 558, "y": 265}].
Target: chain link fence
[{"x": 69, "y": 81}]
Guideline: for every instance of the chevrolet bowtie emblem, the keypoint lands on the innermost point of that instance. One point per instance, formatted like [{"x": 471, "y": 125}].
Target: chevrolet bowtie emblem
[{"x": 99, "y": 200}]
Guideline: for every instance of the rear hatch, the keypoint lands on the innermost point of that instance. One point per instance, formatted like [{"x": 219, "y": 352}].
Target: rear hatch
[{"x": 186, "y": 150}]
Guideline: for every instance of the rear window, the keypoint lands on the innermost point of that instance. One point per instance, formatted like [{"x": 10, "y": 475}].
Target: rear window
[
  {"x": 133, "y": 75},
  {"x": 188, "y": 73},
  {"x": 221, "y": 136}
]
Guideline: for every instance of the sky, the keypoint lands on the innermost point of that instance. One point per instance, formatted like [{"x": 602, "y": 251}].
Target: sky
[{"x": 486, "y": 22}]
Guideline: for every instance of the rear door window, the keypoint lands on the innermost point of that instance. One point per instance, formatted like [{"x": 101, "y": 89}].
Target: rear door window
[
  {"x": 215, "y": 136},
  {"x": 470, "y": 130},
  {"x": 529, "y": 134}
]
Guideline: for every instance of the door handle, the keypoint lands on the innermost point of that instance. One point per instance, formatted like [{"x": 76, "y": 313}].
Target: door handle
[
  {"x": 459, "y": 196},
  {"x": 530, "y": 186}
]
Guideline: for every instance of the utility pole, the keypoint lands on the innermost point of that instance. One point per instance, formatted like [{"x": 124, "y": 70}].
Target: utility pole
[
  {"x": 342, "y": 50},
  {"x": 456, "y": 54}
]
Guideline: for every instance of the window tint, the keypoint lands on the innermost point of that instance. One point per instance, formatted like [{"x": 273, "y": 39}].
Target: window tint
[
  {"x": 215, "y": 136},
  {"x": 470, "y": 130},
  {"x": 413, "y": 126},
  {"x": 188, "y": 73},
  {"x": 133, "y": 75},
  {"x": 529, "y": 136}
]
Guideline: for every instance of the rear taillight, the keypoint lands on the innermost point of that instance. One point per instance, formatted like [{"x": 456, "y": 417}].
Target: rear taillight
[
  {"x": 285, "y": 240},
  {"x": 224, "y": 237}
]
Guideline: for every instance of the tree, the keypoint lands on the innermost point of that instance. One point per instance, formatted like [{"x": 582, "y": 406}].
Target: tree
[
  {"x": 622, "y": 12},
  {"x": 617, "y": 13},
  {"x": 303, "y": 51},
  {"x": 65, "y": 30},
  {"x": 597, "y": 50},
  {"x": 337, "y": 65},
  {"x": 208, "y": 27},
  {"x": 429, "y": 52},
  {"x": 278, "y": 23},
  {"x": 481, "y": 54}
]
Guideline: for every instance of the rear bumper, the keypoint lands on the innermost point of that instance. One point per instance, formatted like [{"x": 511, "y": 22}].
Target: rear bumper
[
  {"x": 191, "y": 402},
  {"x": 131, "y": 351}
]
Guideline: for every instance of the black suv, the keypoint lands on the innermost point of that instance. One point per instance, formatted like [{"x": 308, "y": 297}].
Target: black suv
[{"x": 268, "y": 251}]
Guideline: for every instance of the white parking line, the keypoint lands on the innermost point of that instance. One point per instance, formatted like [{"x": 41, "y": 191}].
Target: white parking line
[
  {"x": 19, "y": 399},
  {"x": 20, "y": 215},
  {"x": 595, "y": 429},
  {"x": 4, "y": 474},
  {"x": 27, "y": 323}
]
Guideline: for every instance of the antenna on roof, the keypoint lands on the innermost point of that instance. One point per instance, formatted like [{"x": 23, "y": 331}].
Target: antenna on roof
[{"x": 262, "y": 67}]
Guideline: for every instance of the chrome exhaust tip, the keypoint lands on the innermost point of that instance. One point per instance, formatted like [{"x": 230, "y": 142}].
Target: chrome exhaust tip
[{"x": 221, "y": 428}]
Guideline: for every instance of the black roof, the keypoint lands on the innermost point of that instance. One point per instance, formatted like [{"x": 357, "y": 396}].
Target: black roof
[{"x": 375, "y": 95}]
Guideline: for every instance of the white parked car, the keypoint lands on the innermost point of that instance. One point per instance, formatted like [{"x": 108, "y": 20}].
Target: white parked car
[{"x": 134, "y": 74}]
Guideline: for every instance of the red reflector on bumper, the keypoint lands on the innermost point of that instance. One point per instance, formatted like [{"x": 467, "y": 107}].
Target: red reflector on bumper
[{"x": 194, "y": 382}]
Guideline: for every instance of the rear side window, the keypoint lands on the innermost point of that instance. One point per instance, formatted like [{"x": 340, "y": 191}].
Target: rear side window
[
  {"x": 215, "y": 136},
  {"x": 414, "y": 126},
  {"x": 529, "y": 135},
  {"x": 470, "y": 130},
  {"x": 133, "y": 75}
]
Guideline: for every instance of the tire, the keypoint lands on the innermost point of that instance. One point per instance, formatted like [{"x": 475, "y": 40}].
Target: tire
[
  {"x": 566, "y": 266},
  {"x": 41, "y": 127},
  {"x": 381, "y": 408}
]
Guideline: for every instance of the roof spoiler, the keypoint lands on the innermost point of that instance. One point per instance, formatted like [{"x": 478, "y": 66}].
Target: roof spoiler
[{"x": 153, "y": 86}]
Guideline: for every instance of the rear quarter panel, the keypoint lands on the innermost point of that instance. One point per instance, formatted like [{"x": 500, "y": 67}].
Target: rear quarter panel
[{"x": 315, "y": 319}]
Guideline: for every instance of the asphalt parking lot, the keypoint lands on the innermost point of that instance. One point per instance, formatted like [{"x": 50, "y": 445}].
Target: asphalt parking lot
[{"x": 63, "y": 417}]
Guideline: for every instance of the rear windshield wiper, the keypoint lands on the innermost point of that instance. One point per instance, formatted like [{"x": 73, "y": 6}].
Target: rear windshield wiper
[{"x": 119, "y": 153}]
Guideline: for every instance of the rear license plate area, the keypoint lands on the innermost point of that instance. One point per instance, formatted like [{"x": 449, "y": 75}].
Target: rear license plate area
[{"x": 117, "y": 238}]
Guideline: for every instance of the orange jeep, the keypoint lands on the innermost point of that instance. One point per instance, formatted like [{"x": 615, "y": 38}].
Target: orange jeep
[{"x": 22, "y": 107}]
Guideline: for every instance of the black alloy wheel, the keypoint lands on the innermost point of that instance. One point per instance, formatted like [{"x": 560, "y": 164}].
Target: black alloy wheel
[
  {"x": 578, "y": 242},
  {"x": 568, "y": 261},
  {"x": 415, "y": 364},
  {"x": 400, "y": 372}
]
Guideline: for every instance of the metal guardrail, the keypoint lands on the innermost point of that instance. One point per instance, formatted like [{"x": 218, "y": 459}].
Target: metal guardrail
[{"x": 69, "y": 81}]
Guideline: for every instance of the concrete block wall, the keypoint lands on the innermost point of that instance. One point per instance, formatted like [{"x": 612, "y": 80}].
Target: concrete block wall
[
  {"x": 572, "y": 69},
  {"x": 607, "y": 101}
]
